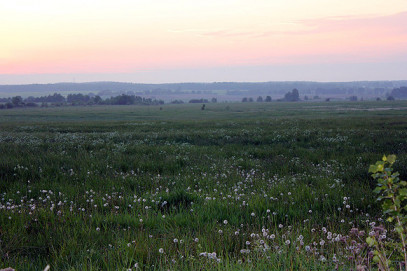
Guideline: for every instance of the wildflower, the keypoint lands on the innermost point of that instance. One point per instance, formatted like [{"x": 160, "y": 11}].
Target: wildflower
[
  {"x": 287, "y": 242},
  {"x": 161, "y": 250}
]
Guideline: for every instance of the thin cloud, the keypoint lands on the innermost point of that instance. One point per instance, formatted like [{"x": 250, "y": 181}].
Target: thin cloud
[
  {"x": 189, "y": 30},
  {"x": 395, "y": 22},
  {"x": 214, "y": 32},
  {"x": 392, "y": 23}
]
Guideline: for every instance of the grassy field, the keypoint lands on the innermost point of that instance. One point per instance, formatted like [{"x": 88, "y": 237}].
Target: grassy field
[{"x": 257, "y": 186}]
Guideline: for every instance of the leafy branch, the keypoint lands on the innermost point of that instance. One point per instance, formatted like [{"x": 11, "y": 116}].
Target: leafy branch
[{"x": 393, "y": 194}]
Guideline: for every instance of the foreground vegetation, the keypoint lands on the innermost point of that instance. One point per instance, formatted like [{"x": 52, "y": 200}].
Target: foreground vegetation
[{"x": 236, "y": 186}]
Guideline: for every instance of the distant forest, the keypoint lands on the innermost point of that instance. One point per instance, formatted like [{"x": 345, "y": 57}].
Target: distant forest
[
  {"x": 58, "y": 99},
  {"x": 75, "y": 99},
  {"x": 108, "y": 89},
  {"x": 400, "y": 93},
  {"x": 111, "y": 95}
]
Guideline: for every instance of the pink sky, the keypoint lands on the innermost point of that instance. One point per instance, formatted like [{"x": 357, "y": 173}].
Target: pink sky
[{"x": 163, "y": 37}]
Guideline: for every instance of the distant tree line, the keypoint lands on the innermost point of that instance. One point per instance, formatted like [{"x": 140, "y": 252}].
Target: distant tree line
[
  {"x": 259, "y": 99},
  {"x": 108, "y": 89},
  {"x": 55, "y": 98},
  {"x": 131, "y": 100},
  {"x": 75, "y": 99},
  {"x": 177, "y": 102},
  {"x": 291, "y": 96},
  {"x": 400, "y": 93},
  {"x": 198, "y": 101}
]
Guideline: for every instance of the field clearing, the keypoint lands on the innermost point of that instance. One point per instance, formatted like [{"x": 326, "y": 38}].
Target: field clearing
[
  {"x": 193, "y": 112},
  {"x": 237, "y": 186}
]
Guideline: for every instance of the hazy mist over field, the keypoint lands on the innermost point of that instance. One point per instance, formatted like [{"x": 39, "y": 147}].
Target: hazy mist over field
[{"x": 324, "y": 72}]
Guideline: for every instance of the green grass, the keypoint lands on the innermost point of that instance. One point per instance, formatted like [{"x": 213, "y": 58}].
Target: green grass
[{"x": 104, "y": 188}]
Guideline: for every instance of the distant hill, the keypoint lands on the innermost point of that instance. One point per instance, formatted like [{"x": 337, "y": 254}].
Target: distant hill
[{"x": 362, "y": 88}]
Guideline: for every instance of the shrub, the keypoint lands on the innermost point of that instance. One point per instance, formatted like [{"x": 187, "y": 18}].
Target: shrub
[{"x": 393, "y": 194}]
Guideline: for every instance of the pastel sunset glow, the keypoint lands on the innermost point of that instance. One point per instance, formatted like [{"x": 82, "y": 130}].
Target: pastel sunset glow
[{"x": 162, "y": 40}]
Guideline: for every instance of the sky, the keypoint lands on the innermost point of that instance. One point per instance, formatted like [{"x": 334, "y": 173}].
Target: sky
[{"x": 156, "y": 41}]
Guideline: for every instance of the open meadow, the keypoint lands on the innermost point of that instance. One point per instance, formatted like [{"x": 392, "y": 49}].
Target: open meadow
[{"x": 237, "y": 186}]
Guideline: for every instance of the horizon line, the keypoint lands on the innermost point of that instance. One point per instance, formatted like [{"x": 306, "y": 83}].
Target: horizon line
[{"x": 209, "y": 82}]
